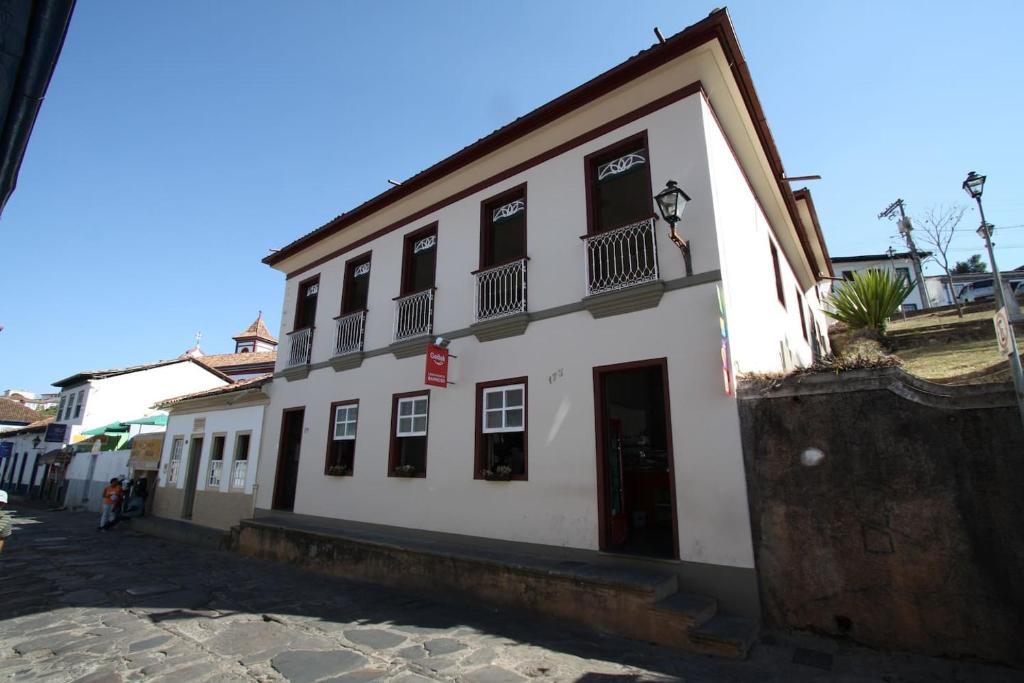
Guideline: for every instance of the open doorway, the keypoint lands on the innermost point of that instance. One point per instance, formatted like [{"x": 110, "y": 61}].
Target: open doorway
[
  {"x": 195, "y": 453},
  {"x": 636, "y": 485},
  {"x": 288, "y": 459}
]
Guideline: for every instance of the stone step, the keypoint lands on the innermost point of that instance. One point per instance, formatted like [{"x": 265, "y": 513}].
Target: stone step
[
  {"x": 726, "y": 636},
  {"x": 695, "y": 609}
]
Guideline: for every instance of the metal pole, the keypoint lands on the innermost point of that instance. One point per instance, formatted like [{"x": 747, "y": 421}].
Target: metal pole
[
  {"x": 1015, "y": 367},
  {"x": 915, "y": 259}
]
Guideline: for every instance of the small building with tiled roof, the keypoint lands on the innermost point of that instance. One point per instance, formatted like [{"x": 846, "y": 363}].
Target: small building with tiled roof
[
  {"x": 14, "y": 414},
  {"x": 255, "y": 353},
  {"x": 210, "y": 453},
  {"x": 20, "y": 468}
]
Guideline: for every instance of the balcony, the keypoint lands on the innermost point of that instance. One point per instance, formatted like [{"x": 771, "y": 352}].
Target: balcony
[
  {"x": 348, "y": 336},
  {"x": 349, "y": 333},
  {"x": 621, "y": 269},
  {"x": 414, "y": 317},
  {"x": 300, "y": 346},
  {"x": 501, "y": 291}
]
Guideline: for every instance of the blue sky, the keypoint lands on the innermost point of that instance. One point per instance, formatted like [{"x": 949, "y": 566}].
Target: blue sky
[{"x": 181, "y": 141}]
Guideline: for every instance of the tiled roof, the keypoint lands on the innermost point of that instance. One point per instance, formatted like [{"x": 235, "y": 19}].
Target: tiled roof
[
  {"x": 102, "y": 374},
  {"x": 12, "y": 411},
  {"x": 37, "y": 426},
  {"x": 252, "y": 383},
  {"x": 258, "y": 329},
  {"x": 223, "y": 361}
]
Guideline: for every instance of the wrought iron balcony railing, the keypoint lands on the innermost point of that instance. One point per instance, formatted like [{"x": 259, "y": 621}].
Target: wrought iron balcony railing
[
  {"x": 621, "y": 258},
  {"x": 300, "y": 346},
  {"x": 501, "y": 291},
  {"x": 348, "y": 336},
  {"x": 414, "y": 315}
]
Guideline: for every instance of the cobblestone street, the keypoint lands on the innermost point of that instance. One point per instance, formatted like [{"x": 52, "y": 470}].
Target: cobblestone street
[{"x": 77, "y": 605}]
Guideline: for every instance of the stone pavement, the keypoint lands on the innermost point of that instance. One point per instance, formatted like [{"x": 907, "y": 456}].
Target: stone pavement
[{"x": 82, "y": 606}]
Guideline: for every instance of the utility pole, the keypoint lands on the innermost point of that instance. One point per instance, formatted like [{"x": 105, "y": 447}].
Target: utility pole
[
  {"x": 974, "y": 185},
  {"x": 915, "y": 258}
]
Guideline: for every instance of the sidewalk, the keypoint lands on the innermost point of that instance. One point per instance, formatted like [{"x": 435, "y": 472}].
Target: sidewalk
[{"x": 78, "y": 605}]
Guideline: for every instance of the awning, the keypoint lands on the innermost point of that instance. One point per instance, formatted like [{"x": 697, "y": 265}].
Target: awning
[
  {"x": 112, "y": 428},
  {"x": 159, "y": 420}
]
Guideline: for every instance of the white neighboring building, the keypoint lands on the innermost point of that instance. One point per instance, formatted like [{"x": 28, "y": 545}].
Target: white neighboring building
[
  {"x": 211, "y": 452},
  {"x": 96, "y": 398},
  {"x": 20, "y": 470},
  {"x": 593, "y": 409},
  {"x": 899, "y": 262}
]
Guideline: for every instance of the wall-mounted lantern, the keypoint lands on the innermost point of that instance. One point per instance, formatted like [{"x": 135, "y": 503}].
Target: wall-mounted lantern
[{"x": 671, "y": 202}]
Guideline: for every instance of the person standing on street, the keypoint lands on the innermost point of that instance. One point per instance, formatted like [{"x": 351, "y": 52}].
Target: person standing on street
[
  {"x": 5, "y": 520},
  {"x": 111, "y": 499}
]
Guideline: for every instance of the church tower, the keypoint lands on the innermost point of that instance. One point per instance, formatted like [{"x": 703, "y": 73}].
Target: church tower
[{"x": 256, "y": 338}]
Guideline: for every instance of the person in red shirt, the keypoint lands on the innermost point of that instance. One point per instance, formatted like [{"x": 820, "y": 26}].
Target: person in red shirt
[{"x": 111, "y": 499}]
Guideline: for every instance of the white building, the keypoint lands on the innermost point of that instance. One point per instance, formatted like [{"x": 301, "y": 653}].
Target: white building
[
  {"x": 92, "y": 399},
  {"x": 900, "y": 263},
  {"x": 20, "y": 448},
  {"x": 211, "y": 453},
  {"x": 603, "y": 389}
]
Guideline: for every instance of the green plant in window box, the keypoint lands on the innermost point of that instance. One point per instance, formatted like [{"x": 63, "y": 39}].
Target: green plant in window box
[
  {"x": 406, "y": 471},
  {"x": 497, "y": 473},
  {"x": 338, "y": 470}
]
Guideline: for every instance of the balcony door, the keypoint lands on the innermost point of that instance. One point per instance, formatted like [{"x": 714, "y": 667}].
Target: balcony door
[
  {"x": 305, "y": 306},
  {"x": 619, "y": 185},
  {"x": 419, "y": 262}
]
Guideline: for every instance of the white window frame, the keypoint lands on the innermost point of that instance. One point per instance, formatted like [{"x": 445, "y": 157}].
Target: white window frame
[
  {"x": 240, "y": 468},
  {"x": 503, "y": 409},
  {"x": 411, "y": 417},
  {"x": 174, "y": 462},
  {"x": 216, "y": 471},
  {"x": 346, "y": 416}
]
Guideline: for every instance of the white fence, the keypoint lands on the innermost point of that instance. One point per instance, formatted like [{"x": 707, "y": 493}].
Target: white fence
[
  {"x": 414, "y": 315},
  {"x": 501, "y": 291},
  {"x": 621, "y": 258},
  {"x": 301, "y": 344},
  {"x": 348, "y": 337}
]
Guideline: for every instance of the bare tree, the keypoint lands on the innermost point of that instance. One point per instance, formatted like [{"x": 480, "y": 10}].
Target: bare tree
[{"x": 936, "y": 229}]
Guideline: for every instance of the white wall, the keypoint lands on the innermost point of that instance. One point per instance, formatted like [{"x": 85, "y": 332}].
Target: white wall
[
  {"x": 556, "y": 217},
  {"x": 227, "y": 422},
  {"x": 21, "y": 477},
  {"x": 132, "y": 395},
  {"x": 558, "y": 505},
  {"x": 764, "y": 334},
  {"x": 914, "y": 298}
]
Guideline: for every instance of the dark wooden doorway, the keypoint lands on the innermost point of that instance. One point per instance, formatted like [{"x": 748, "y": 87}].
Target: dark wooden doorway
[
  {"x": 195, "y": 453},
  {"x": 288, "y": 459},
  {"x": 635, "y": 474}
]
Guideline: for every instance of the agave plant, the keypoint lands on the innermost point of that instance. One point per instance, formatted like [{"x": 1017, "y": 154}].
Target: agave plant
[{"x": 869, "y": 300}]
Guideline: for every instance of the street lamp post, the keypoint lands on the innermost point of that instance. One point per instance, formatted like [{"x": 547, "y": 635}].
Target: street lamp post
[{"x": 974, "y": 185}]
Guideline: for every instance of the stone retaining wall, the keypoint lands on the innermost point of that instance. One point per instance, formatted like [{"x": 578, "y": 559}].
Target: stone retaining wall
[{"x": 909, "y": 532}]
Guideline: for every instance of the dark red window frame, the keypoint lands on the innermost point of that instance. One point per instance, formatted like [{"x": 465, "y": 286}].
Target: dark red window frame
[
  {"x": 393, "y": 448},
  {"x": 330, "y": 439},
  {"x": 410, "y": 240},
  {"x": 348, "y": 282},
  {"x": 480, "y": 454},
  {"x": 594, "y": 159},
  {"x": 303, "y": 288},
  {"x": 487, "y": 207},
  {"x": 778, "y": 273}
]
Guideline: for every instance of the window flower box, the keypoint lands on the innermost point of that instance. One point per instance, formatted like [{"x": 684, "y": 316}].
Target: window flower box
[
  {"x": 406, "y": 471},
  {"x": 338, "y": 470},
  {"x": 499, "y": 473}
]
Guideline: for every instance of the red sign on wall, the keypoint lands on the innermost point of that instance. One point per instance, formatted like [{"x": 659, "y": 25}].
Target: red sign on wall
[{"x": 437, "y": 366}]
